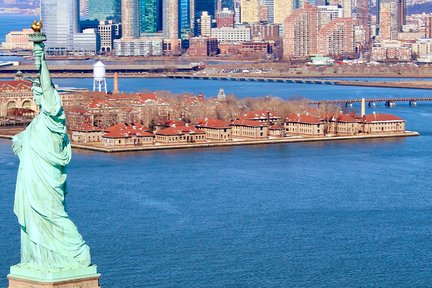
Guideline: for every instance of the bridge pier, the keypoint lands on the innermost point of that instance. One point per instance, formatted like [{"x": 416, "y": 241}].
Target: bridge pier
[{"x": 390, "y": 104}]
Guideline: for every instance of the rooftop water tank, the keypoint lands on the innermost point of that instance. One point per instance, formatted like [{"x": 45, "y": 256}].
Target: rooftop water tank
[{"x": 99, "y": 71}]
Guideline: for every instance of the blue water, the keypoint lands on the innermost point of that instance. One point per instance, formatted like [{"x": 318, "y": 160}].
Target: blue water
[
  {"x": 247, "y": 89},
  {"x": 336, "y": 214},
  {"x": 13, "y": 23}
]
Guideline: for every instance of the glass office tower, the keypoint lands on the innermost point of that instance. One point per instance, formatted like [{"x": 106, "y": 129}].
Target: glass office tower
[
  {"x": 150, "y": 16},
  {"x": 184, "y": 18},
  {"x": 104, "y": 9},
  {"x": 61, "y": 21}
]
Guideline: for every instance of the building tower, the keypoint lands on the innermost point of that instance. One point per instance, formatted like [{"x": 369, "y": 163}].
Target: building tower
[
  {"x": 99, "y": 77},
  {"x": 388, "y": 29},
  {"x": 301, "y": 33},
  {"x": 130, "y": 19},
  {"x": 363, "y": 16},
  {"x": 205, "y": 21},
  {"x": 250, "y": 11},
  {"x": 150, "y": 21},
  {"x": 61, "y": 22},
  {"x": 103, "y": 9},
  {"x": 282, "y": 9},
  {"x": 170, "y": 19},
  {"x": 270, "y": 7},
  {"x": 402, "y": 13},
  {"x": 184, "y": 19}
]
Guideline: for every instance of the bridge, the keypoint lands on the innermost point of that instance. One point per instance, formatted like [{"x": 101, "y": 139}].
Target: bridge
[
  {"x": 88, "y": 69},
  {"x": 389, "y": 102},
  {"x": 255, "y": 79}
]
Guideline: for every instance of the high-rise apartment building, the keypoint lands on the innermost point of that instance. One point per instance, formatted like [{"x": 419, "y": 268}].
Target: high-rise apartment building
[
  {"x": 388, "y": 29},
  {"x": 150, "y": 16},
  {"x": 402, "y": 13},
  {"x": 250, "y": 11},
  {"x": 282, "y": 9},
  {"x": 363, "y": 16},
  {"x": 170, "y": 19},
  {"x": 337, "y": 37},
  {"x": 130, "y": 19},
  {"x": 429, "y": 27},
  {"x": 300, "y": 33},
  {"x": 327, "y": 14},
  {"x": 205, "y": 21},
  {"x": 61, "y": 22},
  {"x": 104, "y": 9},
  {"x": 237, "y": 4},
  {"x": 270, "y": 7}
]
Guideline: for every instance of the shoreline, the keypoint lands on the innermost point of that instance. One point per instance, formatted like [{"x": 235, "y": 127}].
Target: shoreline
[{"x": 294, "y": 139}]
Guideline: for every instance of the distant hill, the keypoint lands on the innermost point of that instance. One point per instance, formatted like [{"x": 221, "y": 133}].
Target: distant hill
[{"x": 420, "y": 8}]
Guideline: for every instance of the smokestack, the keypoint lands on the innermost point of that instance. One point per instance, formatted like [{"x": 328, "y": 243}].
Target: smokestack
[
  {"x": 116, "y": 91},
  {"x": 363, "y": 107}
]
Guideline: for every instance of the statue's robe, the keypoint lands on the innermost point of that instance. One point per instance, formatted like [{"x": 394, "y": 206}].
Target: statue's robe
[{"x": 49, "y": 239}]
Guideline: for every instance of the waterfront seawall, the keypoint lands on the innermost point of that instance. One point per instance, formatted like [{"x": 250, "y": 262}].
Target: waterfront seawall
[{"x": 241, "y": 143}]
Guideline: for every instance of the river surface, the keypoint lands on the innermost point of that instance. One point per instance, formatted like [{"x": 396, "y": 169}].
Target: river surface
[{"x": 335, "y": 214}]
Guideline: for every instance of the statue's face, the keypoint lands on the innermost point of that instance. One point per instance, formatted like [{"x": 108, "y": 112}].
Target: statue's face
[{"x": 37, "y": 94}]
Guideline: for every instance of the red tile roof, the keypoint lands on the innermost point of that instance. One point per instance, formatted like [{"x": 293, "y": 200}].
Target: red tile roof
[
  {"x": 125, "y": 130},
  {"x": 172, "y": 123},
  {"x": 382, "y": 118},
  {"x": 303, "y": 118},
  {"x": 15, "y": 85},
  {"x": 100, "y": 103},
  {"x": 250, "y": 123},
  {"x": 212, "y": 123},
  {"x": 76, "y": 110},
  {"x": 347, "y": 118},
  {"x": 179, "y": 130}
]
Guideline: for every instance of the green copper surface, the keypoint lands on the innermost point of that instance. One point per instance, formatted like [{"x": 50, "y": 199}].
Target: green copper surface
[{"x": 49, "y": 239}]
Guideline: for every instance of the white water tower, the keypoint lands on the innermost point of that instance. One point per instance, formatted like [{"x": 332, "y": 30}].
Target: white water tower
[{"x": 99, "y": 80}]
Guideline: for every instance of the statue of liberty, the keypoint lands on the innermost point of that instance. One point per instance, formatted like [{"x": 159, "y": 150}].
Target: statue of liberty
[{"x": 49, "y": 239}]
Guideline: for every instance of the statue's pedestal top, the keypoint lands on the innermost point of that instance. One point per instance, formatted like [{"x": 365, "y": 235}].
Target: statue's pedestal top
[{"x": 21, "y": 274}]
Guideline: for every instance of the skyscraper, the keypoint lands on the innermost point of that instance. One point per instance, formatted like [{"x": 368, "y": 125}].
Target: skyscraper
[
  {"x": 184, "y": 18},
  {"x": 61, "y": 21},
  {"x": 282, "y": 9},
  {"x": 388, "y": 20},
  {"x": 336, "y": 37},
  {"x": 205, "y": 21},
  {"x": 301, "y": 32},
  {"x": 170, "y": 19},
  {"x": 363, "y": 16},
  {"x": 270, "y": 5},
  {"x": 249, "y": 11},
  {"x": 103, "y": 9},
  {"x": 130, "y": 19},
  {"x": 402, "y": 12},
  {"x": 150, "y": 20}
]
